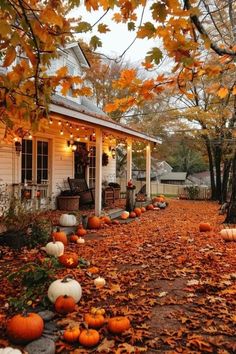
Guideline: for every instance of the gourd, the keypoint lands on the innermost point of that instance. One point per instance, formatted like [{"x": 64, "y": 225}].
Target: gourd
[
  {"x": 71, "y": 334},
  {"x": 143, "y": 209},
  {"x": 54, "y": 248},
  {"x": 64, "y": 304},
  {"x": 228, "y": 234},
  {"x": 106, "y": 219},
  {"x": 59, "y": 235},
  {"x": 24, "y": 328},
  {"x": 132, "y": 214},
  {"x": 81, "y": 231},
  {"x": 150, "y": 207},
  {"x": 89, "y": 337},
  {"x": 94, "y": 320},
  {"x": 204, "y": 226},
  {"x": 67, "y": 220},
  {"x": 69, "y": 260},
  {"x": 99, "y": 282},
  {"x": 124, "y": 215},
  {"x": 66, "y": 286},
  {"x": 74, "y": 238},
  {"x": 137, "y": 211},
  {"x": 81, "y": 240},
  {"x": 94, "y": 222},
  {"x": 10, "y": 350},
  {"x": 118, "y": 324}
]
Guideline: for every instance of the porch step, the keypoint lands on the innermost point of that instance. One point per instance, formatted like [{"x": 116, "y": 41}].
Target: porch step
[{"x": 114, "y": 213}]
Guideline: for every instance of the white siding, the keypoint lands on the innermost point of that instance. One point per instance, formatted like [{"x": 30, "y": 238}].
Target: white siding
[{"x": 109, "y": 171}]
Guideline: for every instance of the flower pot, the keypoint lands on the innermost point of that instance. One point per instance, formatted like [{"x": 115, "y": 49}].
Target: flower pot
[{"x": 68, "y": 203}]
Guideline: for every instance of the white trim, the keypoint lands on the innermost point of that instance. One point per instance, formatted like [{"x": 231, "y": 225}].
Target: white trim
[
  {"x": 148, "y": 170},
  {"x": 98, "y": 173},
  {"x": 129, "y": 160},
  {"x": 99, "y": 122}
]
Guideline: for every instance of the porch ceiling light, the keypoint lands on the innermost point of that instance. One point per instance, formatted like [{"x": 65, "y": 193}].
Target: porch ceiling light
[{"x": 113, "y": 152}]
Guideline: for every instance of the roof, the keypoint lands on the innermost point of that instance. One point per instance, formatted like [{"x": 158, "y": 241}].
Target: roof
[
  {"x": 87, "y": 111},
  {"x": 174, "y": 176}
]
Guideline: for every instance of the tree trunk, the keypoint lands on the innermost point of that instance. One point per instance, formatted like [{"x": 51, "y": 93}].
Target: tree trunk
[
  {"x": 217, "y": 158},
  {"x": 225, "y": 180},
  {"x": 231, "y": 213},
  {"x": 211, "y": 169}
]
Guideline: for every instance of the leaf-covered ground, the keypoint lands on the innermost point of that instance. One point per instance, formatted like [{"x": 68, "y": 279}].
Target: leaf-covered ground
[{"x": 176, "y": 285}]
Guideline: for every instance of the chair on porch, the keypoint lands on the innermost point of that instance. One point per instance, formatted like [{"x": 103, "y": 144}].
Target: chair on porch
[{"x": 79, "y": 186}]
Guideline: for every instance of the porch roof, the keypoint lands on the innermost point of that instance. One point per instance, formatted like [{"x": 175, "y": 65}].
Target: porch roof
[{"x": 88, "y": 112}]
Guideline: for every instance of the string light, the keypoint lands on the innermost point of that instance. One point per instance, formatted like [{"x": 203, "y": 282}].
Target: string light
[
  {"x": 59, "y": 122},
  {"x": 67, "y": 123},
  {"x": 50, "y": 121},
  {"x": 30, "y": 136},
  {"x": 61, "y": 132},
  {"x": 71, "y": 135}
]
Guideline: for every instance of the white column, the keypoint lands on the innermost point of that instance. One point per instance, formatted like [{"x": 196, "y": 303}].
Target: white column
[
  {"x": 148, "y": 170},
  {"x": 129, "y": 159},
  {"x": 98, "y": 173}
]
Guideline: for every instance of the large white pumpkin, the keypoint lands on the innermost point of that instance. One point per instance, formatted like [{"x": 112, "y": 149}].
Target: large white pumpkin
[
  {"x": 55, "y": 248},
  {"x": 10, "y": 350},
  {"x": 66, "y": 286},
  {"x": 228, "y": 234},
  {"x": 67, "y": 220}
]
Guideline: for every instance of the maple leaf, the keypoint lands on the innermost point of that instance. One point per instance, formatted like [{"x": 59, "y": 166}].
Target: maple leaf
[
  {"x": 117, "y": 17},
  {"x": 147, "y": 30},
  {"x": 95, "y": 42},
  {"x": 49, "y": 16},
  {"x": 154, "y": 55},
  {"x": 91, "y": 5},
  {"x": 105, "y": 346},
  {"x": 159, "y": 11},
  {"x": 83, "y": 27},
  {"x": 10, "y": 56},
  {"x": 63, "y": 71},
  {"x": 102, "y": 28},
  {"x": 131, "y": 26},
  {"x": 223, "y": 92}
]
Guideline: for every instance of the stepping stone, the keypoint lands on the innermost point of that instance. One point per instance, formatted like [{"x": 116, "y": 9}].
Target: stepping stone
[
  {"x": 41, "y": 346},
  {"x": 46, "y": 315}
]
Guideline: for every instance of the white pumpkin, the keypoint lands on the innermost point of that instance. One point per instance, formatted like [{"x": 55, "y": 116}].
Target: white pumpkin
[
  {"x": 124, "y": 215},
  {"x": 99, "y": 282},
  {"x": 10, "y": 350},
  {"x": 67, "y": 220},
  {"x": 228, "y": 234},
  {"x": 66, "y": 286},
  {"x": 55, "y": 248}
]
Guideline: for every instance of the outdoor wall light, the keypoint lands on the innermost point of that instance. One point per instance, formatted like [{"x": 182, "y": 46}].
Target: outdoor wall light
[
  {"x": 18, "y": 147},
  {"x": 72, "y": 145}
]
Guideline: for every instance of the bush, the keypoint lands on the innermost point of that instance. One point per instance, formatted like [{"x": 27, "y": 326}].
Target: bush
[{"x": 192, "y": 191}]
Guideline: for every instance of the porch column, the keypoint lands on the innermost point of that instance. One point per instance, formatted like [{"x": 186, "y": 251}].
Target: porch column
[
  {"x": 98, "y": 172},
  {"x": 148, "y": 170},
  {"x": 129, "y": 159}
]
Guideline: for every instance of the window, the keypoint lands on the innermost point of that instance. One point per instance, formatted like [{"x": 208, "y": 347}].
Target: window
[{"x": 35, "y": 161}]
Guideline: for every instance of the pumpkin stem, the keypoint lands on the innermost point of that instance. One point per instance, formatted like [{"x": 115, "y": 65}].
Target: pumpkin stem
[
  {"x": 58, "y": 229},
  {"x": 67, "y": 277},
  {"x": 25, "y": 313},
  {"x": 53, "y": 239}
]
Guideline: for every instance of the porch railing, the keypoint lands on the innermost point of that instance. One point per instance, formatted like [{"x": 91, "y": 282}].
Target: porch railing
[{"x": 34, "y": 195}]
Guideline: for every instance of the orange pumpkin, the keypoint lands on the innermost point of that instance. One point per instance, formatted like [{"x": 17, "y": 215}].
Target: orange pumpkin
[
  {"x": 132, "y": 214},
  {"x": 137, "y": 211},
  {"x": 71, "y": 334},
  {"x": 59, "y": 235},
  {"x": 74, "y": 238},
  {"x": 204, "y": 226},
  {"x": 25, "y": 328},
  {"x": 94, "y": 320},
  {"x": 94, "y": 222},
  {"x": 69, "y": 260},
  {"x": 89, "y": 337},
  {"x": 143, "y": 209},
  {"x": 93, "y": 270},
  {"x": 124, "y": 215},
  {"x": 150, "y": 207},
  {"x": 106, "y": 219},
  {"x": 65, "y": 304},
  {"x": 118, "y": 324},
  {"x": 81, "y": 232}
]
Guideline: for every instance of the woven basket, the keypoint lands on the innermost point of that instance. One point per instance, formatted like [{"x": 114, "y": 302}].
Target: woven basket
[{"x": 68, "y": 203}]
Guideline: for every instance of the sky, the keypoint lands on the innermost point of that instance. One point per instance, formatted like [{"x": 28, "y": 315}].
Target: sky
[{"x": 118, "y": 39}]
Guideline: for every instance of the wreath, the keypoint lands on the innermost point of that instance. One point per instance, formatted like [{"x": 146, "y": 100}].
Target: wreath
[
  {"x": 105, "y": 159},
  {"x": 83, "y": 156}
]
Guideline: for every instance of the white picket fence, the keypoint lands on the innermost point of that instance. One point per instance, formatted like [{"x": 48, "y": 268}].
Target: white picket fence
[{"x": 166, "y": 189}]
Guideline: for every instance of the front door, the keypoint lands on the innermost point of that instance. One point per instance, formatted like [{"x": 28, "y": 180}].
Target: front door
[{"x": 81, "y": 157}]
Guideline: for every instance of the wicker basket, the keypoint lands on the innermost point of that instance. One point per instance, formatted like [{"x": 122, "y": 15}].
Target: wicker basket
[{"x": 68, "y": 203}]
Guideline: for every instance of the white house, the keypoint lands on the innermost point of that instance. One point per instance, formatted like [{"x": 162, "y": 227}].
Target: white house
[{"x": 45, "y": 160}]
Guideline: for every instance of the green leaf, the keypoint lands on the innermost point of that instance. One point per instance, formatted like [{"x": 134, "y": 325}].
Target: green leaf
[
  {"x": 131, "y": 26},
  {"x": 83, "y": 27},
  {"x": 102, "y": 28},
  {"x": 147, "y": 30},
  {"x": 95, "y": 42},
  {"x": 154, "y": 55}
]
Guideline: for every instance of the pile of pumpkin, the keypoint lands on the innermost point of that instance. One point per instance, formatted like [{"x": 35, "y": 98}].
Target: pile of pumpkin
[{"x": 64, "y": 294}]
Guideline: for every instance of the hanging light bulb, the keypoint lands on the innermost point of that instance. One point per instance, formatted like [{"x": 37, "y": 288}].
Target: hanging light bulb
[
  {"x": 70, "y": 126},
  {"x": 77, "y": 128},
  {"x": 30, "y": 136},
  {"x": 67, "y": 123},
  {"x": 78, "y": 138},
  {"x": 59, "y": 123},
  {"x": 86, "y": 137},
  {"x": 50, "y": 121},
  {"x": 61, "y": 132},
  {"x": 71, "y": 135}
]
